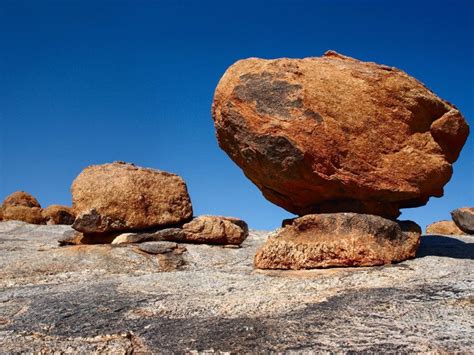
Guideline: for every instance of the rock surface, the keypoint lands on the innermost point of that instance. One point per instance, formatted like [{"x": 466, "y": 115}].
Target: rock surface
[
  {"x": 100, "y": 298},
  {"x": 336, "y": 134},
  {"x": 20, "y": 198},
  {"x": 339, "y": 239},
  {"x": 122, "y": 197},
  {"x": 464, "y": 219},
  {"x": 22, "y": 213},
  {"x": 444, "y": 228},
  {"x": 57, "y": 214}
]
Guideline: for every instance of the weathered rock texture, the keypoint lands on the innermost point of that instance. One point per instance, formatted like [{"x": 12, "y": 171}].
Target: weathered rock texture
[
  {"x": 464, "y": 219},
  {"x": 444, "y": 228},
  {"x": 339, "y": 239},
  {"x": 20, "y": 198},
  {"x": 202, "y": 229},
  {"x": 119, "y": 300},
  {"x": 57, "y": 214},
  {"x": 121, "y": 197},
  {"x": 335, "y": 134},
  {"x": 215, "y": 230}
]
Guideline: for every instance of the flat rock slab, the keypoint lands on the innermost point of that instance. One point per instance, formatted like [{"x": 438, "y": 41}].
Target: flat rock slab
[{"x": 117, "y": 299}]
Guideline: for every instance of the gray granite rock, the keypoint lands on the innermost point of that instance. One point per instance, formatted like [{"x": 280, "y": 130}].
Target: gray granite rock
[
  {"x": 464, "y": 219},
  {"x": 117, "y": 299}
]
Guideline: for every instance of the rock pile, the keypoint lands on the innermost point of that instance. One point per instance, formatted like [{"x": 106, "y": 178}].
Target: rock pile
[
  {"x": 335, "y": 134},
  {"x": 120, "y": 203},
  {"x": 21, "y": 206}
]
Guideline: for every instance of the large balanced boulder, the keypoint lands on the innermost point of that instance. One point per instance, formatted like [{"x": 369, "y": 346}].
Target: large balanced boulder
[
  {"x": 57, "y": 214},
  {"x": 122, "y": 197},
  {"x": 335, "y": 134},
  {"x": 444, "y": 228},
  {"x": 464, "y": 219},
  {"x": 339, "y": 239}
]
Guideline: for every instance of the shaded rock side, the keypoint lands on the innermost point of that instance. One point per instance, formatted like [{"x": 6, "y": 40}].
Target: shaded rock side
[
  {"x": 464, "y": 219},
  {"x": 31, "y": 215},
  {"x": 444, "y": 228},
  {"x": 57, "y": 214},
  {"x": 121, "y": 197},
  {"x": 20, "y": 198},
  {"x": 335, "y": 134},
  {"x": 339, "y": 239}
]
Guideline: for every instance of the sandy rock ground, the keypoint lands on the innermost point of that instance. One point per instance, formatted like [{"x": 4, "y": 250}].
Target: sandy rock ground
[{"x": 210, "y": 299}]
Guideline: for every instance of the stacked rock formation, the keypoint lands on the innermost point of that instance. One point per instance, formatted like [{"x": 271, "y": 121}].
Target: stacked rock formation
[
  {"x": 121, "y": 203},
  {"x": 22, "y": 206},
  {"x": 335, "y": 134}
]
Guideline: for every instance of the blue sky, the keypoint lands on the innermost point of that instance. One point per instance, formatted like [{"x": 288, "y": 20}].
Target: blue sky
[{"x": 89, "y": 82}]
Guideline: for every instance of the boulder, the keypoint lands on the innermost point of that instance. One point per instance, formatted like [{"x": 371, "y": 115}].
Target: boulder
[
  {"x": 464, "y": 219},
  {"x": 444, "y": 228},
  {"x": 57, "y": 214},
  {"x": 339, "y": 239},
  {"x": 201, "y": 230},
  {"x": 335, "y": 134},
  {"x": 20, "y": 198},
  {"x": 123, "y": 197},
  {"x": 215, "y": 230},
  {"x": 1, "y": 213},
  {"x": 22, "y": 213}
]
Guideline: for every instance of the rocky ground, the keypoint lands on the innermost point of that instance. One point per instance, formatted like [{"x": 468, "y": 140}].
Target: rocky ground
[{"x": 209, "y": 298}]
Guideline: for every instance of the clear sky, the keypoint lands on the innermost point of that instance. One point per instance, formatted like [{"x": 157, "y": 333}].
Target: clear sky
[{"x": 89, "y": 82}]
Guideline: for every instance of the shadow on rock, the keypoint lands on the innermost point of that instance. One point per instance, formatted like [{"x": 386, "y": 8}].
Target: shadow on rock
[{"x": 436, "y": 245}]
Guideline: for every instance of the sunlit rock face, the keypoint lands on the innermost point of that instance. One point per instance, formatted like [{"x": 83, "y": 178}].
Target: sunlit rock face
[{"x": 335, "y": 134}]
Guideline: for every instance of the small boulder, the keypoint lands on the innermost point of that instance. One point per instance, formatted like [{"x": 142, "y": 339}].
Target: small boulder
[
  {"x": 339, "y": 239},
  {"x": 123, "y": 197},
  {"x": 444, "y": 228},
  {"x": 216, "y": 230},
  {"x": 57, "y": 214},
  {"x": 22, "y": 213},
  {"x": 21, "y": 198},
  {"x": 464, "y": 219}
]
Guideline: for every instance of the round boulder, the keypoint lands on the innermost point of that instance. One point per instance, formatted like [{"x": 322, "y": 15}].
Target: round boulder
[
  {"x": 335, "y": 134},
  {"x": 21, "y": 198},
  {"x": 57, "y": 214}
]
